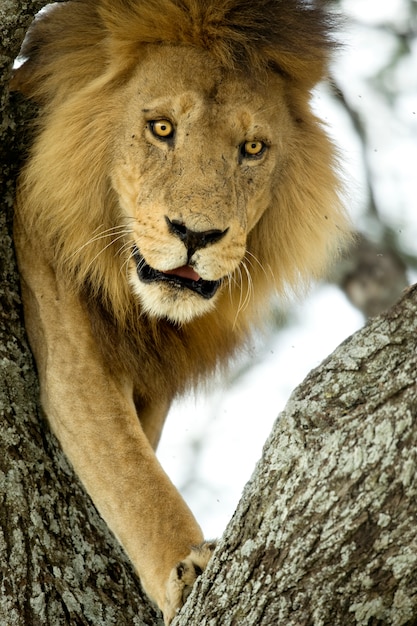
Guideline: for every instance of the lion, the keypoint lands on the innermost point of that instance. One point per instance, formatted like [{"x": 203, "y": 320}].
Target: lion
[{"x": 178, "y": 179}]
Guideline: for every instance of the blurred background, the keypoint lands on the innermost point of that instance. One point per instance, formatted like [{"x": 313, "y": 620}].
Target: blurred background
[{"x": 212, "y": 441}]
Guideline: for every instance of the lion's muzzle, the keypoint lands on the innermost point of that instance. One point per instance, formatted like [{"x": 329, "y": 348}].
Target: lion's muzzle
[{"x": 181, "y": 277}]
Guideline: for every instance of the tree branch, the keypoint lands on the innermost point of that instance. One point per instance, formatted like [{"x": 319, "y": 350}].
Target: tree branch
[{"x": 326, "y": 529}]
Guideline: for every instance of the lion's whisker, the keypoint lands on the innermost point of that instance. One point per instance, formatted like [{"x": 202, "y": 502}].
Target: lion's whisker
[
  {"x": 103, "y": 250},
  {"x": 240, "y": 289},
  {"x": 110, "y": 232},
  {"x": 125, "y": 265},
  {"x": 249, "y": 292},
  {"x": 254, "y": 258},
  {"x": 239, "y": 284},
  {"x": 243, "y": 299},
  {"x": 229, "y": 284},
  {"x": 127, "y": 246}
]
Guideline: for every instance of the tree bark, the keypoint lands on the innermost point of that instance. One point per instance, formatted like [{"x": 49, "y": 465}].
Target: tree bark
[{"x": 326, "y": 531}]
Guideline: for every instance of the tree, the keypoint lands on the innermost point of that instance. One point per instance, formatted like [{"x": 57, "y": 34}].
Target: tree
[
  {"x": 325, "y": 532},
  {"x": 326, "y": 529}
]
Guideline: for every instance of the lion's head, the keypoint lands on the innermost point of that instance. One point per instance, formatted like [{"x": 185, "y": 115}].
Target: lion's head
[
  {"x": 196, "y": 156},
  {"x": 178, "y": 160}
]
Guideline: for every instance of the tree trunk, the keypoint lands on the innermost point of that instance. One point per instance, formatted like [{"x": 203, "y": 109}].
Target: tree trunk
[{"x": 326, "y": 531}]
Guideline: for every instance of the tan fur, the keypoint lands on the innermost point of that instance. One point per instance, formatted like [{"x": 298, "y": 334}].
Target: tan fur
[{"x": 109, "y": 347}]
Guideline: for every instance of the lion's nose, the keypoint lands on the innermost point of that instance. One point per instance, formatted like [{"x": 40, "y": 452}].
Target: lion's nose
[{"x": 192, "y": 239}]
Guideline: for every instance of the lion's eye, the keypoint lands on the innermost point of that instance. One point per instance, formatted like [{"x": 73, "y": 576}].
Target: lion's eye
[
  {"x": 252, "y": 149},
  {"x": 163, "y": 129}
]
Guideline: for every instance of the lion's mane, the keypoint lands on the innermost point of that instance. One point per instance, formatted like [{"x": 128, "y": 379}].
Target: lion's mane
[{"x": 78, "y": 58}]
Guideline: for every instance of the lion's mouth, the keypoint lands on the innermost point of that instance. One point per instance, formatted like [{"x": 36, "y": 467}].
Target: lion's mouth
[{"x": 184, "y": 277}]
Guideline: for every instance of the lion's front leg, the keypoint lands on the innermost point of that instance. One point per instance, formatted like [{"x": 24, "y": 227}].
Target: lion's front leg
[{"x": 94, "y": 417}]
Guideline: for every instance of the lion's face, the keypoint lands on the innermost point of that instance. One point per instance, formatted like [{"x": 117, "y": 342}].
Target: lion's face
[{"x": 196, "y": 156}]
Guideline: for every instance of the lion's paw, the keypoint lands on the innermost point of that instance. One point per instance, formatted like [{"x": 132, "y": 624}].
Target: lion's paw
[{"x": 183, "y": 576}]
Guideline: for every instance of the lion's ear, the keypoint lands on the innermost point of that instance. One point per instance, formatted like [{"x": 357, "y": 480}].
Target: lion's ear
[
  {"x": 60, "y": 53},
  {"x": 30, "y": 77},
  {"x": 304, "y": 72},
  {"x": 21, "y": 80}
]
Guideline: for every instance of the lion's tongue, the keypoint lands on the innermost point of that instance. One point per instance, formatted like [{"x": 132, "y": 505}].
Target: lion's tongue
[{"x": 184, "y": 272}]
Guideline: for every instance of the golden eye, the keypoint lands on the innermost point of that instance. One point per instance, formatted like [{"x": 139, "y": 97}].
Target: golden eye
[
  {"x": 253, "y": 148},
  {"x": 162, "y": 128}
]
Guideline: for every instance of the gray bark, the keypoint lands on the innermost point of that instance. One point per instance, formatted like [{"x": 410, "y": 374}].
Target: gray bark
[{"x": 326, "y": 530}]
